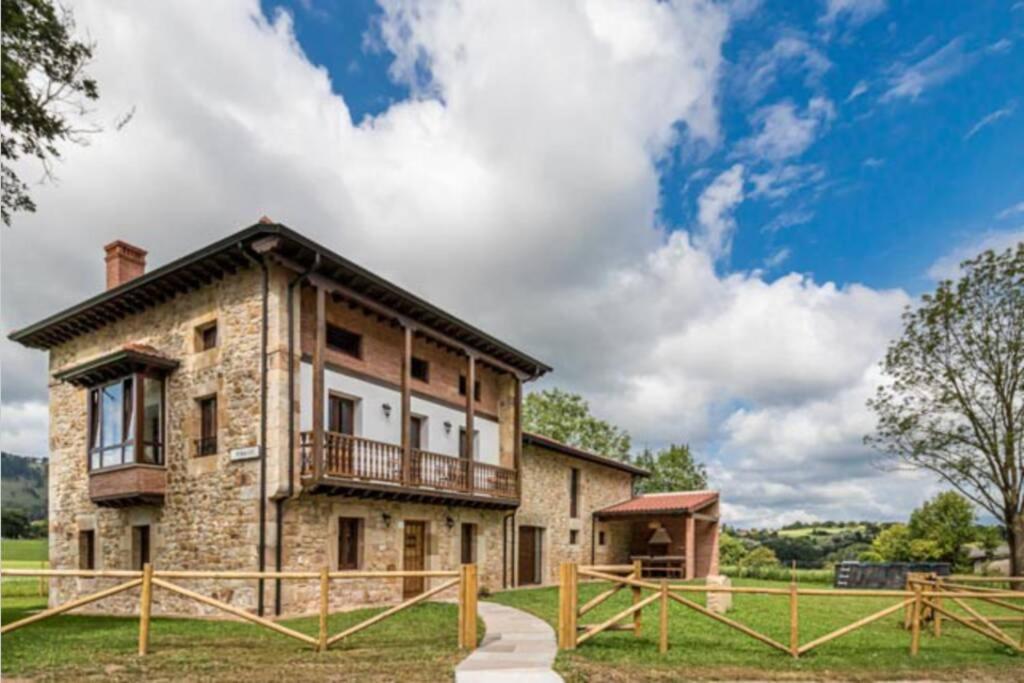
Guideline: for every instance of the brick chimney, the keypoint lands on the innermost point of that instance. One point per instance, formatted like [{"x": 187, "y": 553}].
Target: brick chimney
[{"x": 124, "y": 262}]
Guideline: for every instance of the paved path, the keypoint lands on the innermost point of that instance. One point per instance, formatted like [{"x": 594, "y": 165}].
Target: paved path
[{"x": 518, "y": 647}]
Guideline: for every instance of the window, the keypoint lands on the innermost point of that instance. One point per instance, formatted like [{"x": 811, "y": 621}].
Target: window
[
  {"x": 574, "y": 493},
  {"x": 468, "y": 544},
  {"x": 206, "y": 444},
  {"x": 420, "y": 369},
  {"x": 600, "y": 538},
  {"x": 463, "y": 453},
  {"x": 349, "y": 542},
  {"x": 140, "y": 546},
  {"x": 341, "y": 415},
  {"x": 343, "y": 341},
  {"x": 113, "y": 431},
  {"x": 416, "y": 424},
  {"x": 462, "y": 388},
  {"x": 87, "y": 549},
  {"x": 207, "y": 336},
  {"x": 574, "y": 537}
]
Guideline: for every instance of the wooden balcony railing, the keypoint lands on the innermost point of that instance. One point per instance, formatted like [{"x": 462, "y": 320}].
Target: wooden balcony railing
[{"x": 353, "y": 457}]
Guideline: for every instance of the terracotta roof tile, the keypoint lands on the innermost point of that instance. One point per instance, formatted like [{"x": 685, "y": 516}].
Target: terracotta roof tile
[{"x": 675, "y": 501}]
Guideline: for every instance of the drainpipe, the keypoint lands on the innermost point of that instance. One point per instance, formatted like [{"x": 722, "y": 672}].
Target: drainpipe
[
  {"x": 278, "y": 551},
  {"x": 263, "y": 420},
  {"x": 593, "y": 537}
]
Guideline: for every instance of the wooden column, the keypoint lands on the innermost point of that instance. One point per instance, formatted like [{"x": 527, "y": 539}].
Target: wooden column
[
  {"x": 517, "y": 448},
  {"x": 470, "y": 414},
  {"x": 638, "y": 573},
  {"x": 406, "y": 405},
  {"x": 691, "y": 550},
  {"x": 145, "y": 608},
  {"x": 319, "y": 345}
]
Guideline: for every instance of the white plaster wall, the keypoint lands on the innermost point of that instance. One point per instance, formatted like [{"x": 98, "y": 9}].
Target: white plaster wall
[{"x": 371, "y": 423}]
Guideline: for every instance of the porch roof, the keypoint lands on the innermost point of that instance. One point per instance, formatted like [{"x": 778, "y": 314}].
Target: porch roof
[{"x": 671, "y": 503}]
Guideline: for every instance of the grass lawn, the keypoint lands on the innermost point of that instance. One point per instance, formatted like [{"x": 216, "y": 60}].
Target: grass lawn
[
  {"x": 419, "y": 644},
  {"x": 702, "y": 648},
  {"x": 23, "y": 552},
  {"x": 809, "y": 530}
]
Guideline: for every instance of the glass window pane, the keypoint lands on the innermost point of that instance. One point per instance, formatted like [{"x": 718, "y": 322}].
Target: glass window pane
[
  {"x": 111, "y": 407},
  {"x": 152, "y": 409},
  {"x": 129, "y": 410},
  {"x": 111, "y": 457},
  {"x": 94, "y": 419},
  {"x": 129, "y": 453},
  {"x": 94, "y": 460}
]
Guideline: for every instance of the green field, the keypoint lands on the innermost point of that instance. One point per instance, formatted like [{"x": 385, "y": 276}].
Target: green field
[
  {"x": 23, "y": 552},
  {"x": 702, "y": 648},
  {"x": 418, "y": 644},
  {"x": 820, "y": 530}
]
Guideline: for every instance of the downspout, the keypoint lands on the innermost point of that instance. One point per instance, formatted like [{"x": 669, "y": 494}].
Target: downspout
[
  {"x": 278, "y": 551},
  {"x": 263, "y": 421},
  {"x": 593, "y": 537}
]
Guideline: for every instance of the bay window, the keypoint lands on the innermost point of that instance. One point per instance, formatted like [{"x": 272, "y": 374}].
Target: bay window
[{"x": 126, "y": 422}]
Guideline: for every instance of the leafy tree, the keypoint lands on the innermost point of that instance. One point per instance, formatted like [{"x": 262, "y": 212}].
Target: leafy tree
[
  {"x": 893, "y": 543},
  {"x": 954, "y": 400},
  {"x": 672, "y": 469},
  {"x": 566, "y": 417},
  {"x": 870, "y": 556},
  {"x": 731, "y": 550},
  {"x": 948, "y": 521},
  {"x": 43, "y": 84},
  {"x": 759, "y": 557},
  {"x": 14, "y": 524},
  {"x": 924, "y": 550}
]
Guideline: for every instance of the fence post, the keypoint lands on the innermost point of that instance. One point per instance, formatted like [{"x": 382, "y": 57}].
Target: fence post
[
  {"x": 471, "y": 596},
  {"x": 637, "y": 595},
  {"x": 794, "y": 621},
  {"x": 909, "y": 611},
  {"x": 915, "y": 625},
  {"x": 567, "y": 608},
  {"x": 663, "y": 642},
  {"x": 145, "y": 608},
  {"x": 42, "y": 579},
  {"x": 936, "y": 615},
  {"x": 325, "y": 599}
]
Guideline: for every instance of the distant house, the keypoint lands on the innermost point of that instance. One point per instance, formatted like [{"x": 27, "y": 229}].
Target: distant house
[{"x": 991, "y": 562}]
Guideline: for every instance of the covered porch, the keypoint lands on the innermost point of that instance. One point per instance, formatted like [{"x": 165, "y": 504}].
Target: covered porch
[{"x": 673, "y": 535}]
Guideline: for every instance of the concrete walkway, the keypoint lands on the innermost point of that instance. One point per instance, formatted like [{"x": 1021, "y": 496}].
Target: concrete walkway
[{"x": 518, "y": 647}]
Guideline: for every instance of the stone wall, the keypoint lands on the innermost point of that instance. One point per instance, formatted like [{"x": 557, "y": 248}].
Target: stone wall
[{"x": 545, "y": 504}]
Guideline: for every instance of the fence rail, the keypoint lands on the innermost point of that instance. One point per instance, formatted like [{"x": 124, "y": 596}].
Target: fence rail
[
  {"x": 922, "y": 599},
  {"x": 465, "y": 579}
]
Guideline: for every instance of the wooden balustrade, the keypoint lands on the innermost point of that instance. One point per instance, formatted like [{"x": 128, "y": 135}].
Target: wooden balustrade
[{"x": 353, "y": 457}]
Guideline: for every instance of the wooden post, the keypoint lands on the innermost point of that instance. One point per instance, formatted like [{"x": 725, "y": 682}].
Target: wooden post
[
  {"x": 691, "y": 549},
  {"x": 470, "y": 407},
  {"x": 325, "y": 598},
  {"x": 319, "y": 346},
  {"x": 567, "y": 606},
  {"x": 407, "y": 406},
  {"x": 469, "y": 591},
  {"x": 145, "y": 608},
  {"x": 42, "y": 580},
  {"x": 915, "y": 625},
  {"x": 936, "y": 615},
  {"x": 794, "y": 620},
  {"x": 637, "y": 595},
  {"x": 518, "y": 429},
  {"x": 908, "y": 613},
  {"x": 663, "y": 642}
]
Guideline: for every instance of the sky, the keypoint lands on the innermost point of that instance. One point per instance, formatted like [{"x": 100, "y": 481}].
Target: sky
[{"x": 706, "y": 216}]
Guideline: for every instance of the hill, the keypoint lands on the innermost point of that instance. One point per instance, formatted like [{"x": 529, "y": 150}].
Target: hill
[{"x": 23, "y": 484}]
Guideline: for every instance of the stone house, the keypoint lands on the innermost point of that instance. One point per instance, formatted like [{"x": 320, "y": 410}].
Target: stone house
[{"x": 265, "y": 404}]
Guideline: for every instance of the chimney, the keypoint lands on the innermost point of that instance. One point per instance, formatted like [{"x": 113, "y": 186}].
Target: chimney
[{"x": 124, "y": 262}]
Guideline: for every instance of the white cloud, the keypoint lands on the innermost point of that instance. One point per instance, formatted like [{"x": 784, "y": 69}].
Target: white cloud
[
  {"x": 784, "y": 131},
  {"x": 518, "y": 188},
  {"x": 788, "y": 219},
  {"x": 856, "y": 12},
  {"x": 989, "y": 119},
  {"x": 1010, "y": 211},
  {"x": 873, "y": 162},
  {"x": 911, "y": 81},
  {"x": 948, "y": 266},
  {"x": 791, "y": 52},
  {"x": 779, "y": 182},
  {"x": 715, "y": 223},
  {"x": 859, "y": 88},
  {"x": 777, "y": 258}
]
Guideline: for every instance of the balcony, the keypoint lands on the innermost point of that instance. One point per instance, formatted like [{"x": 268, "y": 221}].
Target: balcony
[
  {"x": 126, "y": 485},
  {"x": 361, "y": 467}
]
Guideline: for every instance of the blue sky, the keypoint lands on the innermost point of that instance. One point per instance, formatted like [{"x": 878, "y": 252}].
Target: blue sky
[
  {"x": 706, "y": 216},
  {"x": 903, "y": 177}
]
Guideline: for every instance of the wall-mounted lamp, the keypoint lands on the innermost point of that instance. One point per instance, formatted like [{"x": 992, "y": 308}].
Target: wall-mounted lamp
[
  {"x": 386, "y": 517},
  {"x": 387, "y": 410},
  {"x": 449, "y": 522},
  {"x": 447, "y": 427}
]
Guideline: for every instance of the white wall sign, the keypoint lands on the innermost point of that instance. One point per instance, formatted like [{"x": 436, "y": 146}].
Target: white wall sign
[{"x": 247, "y": 453}]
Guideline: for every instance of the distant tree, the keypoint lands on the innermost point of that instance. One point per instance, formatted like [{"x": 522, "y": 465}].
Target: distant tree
[
  {"x": 672, "y": 469},
  {"x": 948, "y": 521},
  {"x": 44, "y": 85},
  {"x": 893, "y": 543},
  {"x": 953, "y": 402},
  {"x": 566, "y": 417},
  {"x": 14, "y": 524},
  {"x": 924, "y": 550},
  {"x": 870, "y": 556},
  {"x": 730, "y": 550},
  {"x": 759, "y": 557},
  {"x": 988, "y": 537}
]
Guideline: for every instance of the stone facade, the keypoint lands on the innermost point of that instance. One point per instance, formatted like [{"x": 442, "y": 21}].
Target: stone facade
[{"x": 546, "y": 505}]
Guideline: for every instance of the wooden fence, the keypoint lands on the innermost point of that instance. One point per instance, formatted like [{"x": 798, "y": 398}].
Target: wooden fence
[
  {"x": 465, "y": 578},
  {"x": 922, "y": 598}
]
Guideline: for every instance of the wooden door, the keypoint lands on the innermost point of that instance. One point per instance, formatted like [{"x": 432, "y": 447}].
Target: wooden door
[
  {"x": 414, "y": 557},
  {"x": 529, "y": 555}
]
